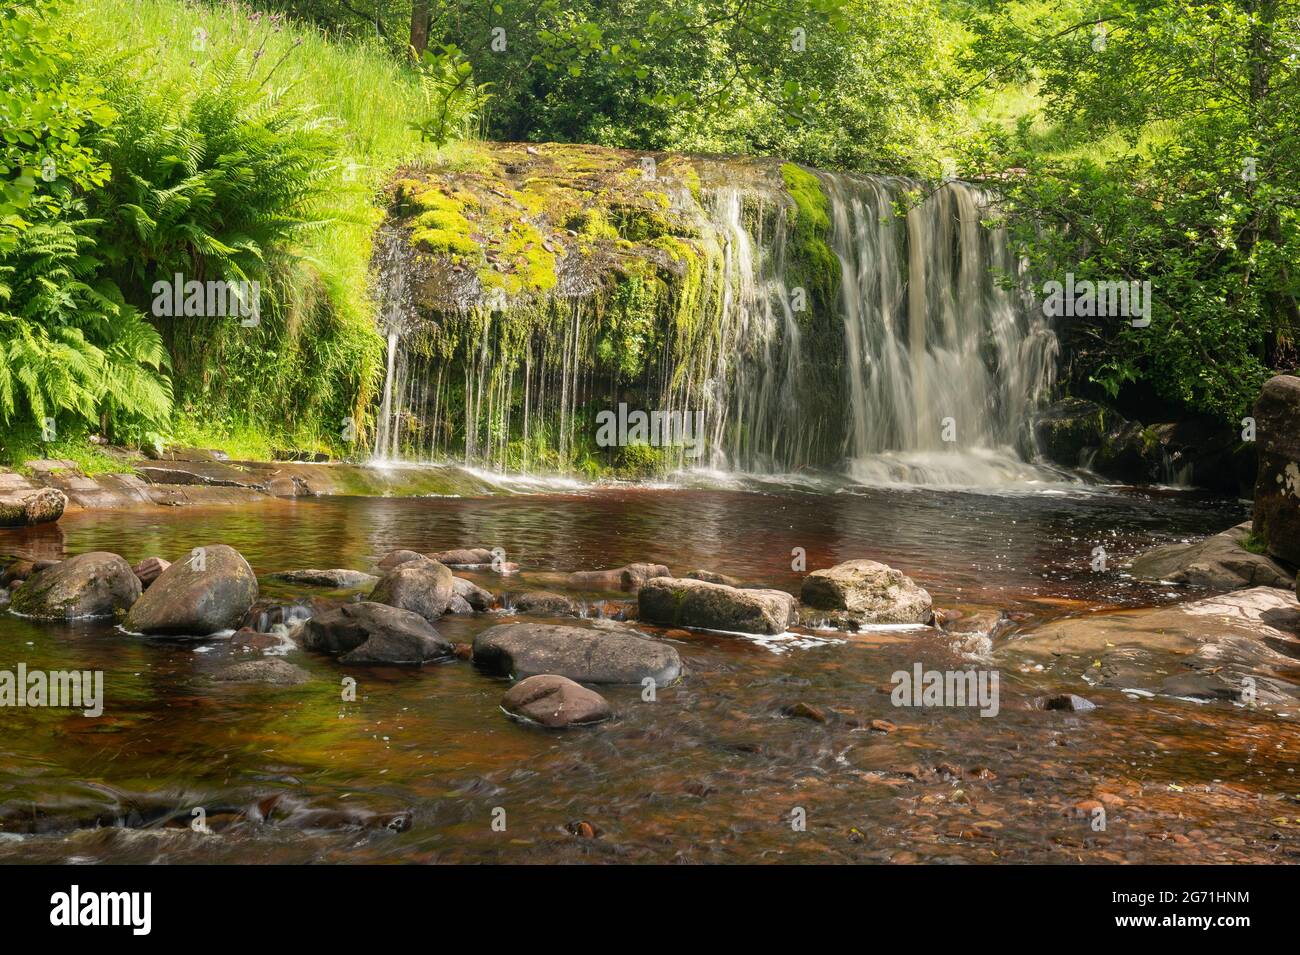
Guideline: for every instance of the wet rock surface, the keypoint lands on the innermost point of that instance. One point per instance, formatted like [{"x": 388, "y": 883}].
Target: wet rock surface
[
  {"x": 1249, "y": 639},
  {"x": 98, "y": 584},
  {"x": 421, "y": 586},
  {"x": 338, "y": 579},
  {"x": 1220, "y": 562},
  {"x": 868, "y": 591},
  {"x": 585, "y": 655},
  {"x": 680, "y": 602},
  {"x": 374, "y": 633},
  {"x": 25, "y": 508},
  {"x": 555, "y": 702},
  {"x": 204, "y": 593}
]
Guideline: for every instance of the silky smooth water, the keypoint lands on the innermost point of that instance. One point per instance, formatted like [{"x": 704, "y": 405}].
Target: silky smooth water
[{"x": 422, "y": 763}]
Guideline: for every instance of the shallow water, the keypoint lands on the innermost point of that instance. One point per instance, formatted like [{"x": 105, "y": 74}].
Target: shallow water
[{"x": 418, "y": 768}]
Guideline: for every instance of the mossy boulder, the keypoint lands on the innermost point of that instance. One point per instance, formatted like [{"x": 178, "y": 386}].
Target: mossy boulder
[{"x": 98, "y": 584}]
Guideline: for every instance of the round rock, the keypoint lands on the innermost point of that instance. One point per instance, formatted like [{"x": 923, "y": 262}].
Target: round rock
[{"x": 555, "y": 701}]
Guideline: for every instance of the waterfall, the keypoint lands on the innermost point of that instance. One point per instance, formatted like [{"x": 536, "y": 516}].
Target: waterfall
[
  {"x": 923, "y": 364},
  {"x": 945, "y": 356}
]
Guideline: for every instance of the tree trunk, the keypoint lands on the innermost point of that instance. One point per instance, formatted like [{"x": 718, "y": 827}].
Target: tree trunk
[{"x": 419, "y": 26}]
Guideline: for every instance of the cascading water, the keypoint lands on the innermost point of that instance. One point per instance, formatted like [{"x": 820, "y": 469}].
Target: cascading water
[
  {"x": 922, "y": 367},
  {"x": 944, "y": 363}
]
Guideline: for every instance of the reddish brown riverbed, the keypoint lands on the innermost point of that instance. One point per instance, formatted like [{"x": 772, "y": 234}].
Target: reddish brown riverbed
[{"x": 416, "y": 768}]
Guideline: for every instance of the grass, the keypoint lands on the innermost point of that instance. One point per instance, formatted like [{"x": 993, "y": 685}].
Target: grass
[
  {"x": 366, "y": 97},
  {"x": 19, "y": 447}
]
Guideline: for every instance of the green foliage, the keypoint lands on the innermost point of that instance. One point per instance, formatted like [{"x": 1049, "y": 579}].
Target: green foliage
[
  {"x": 71, "y": 348},
  {"x": 1195, "y": 191}
]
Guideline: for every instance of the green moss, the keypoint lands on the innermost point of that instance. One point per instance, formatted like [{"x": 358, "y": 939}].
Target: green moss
[
  {"x": 525, "y": 265},
  {"x": 638, "y": 461},
  {"x": 592, "y": 222},
  {"x": 818, "y": 267},
  {"x": 1255, "y": 543}
]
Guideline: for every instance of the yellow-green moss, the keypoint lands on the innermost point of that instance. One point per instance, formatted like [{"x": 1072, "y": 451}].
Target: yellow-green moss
[{"x": 817, "y": 266}]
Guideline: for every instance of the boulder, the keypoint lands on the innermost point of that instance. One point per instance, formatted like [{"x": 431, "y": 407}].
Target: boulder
[
  {"x": 1130, "y": 453},
  {"x": 710, "y": 577},
  {"x": 1066, "y": 429},
  {"x": 1220, "y": 562},
  {"x": 869, "y": 591},
  {"x": 149, "y": 570},
  {"x": 28, "y": 508},
  {"x": 422, "y": 586},
  {"x": 395, "y": 558},
  {"x": 463, "y": 557},
  {"x": 18, "y": 570},
  {"x": 987, "y": 623},
  {"x": 543, "y": 603},
  {"x": 98, "y": 584},
  {"x": 679, "y": 602},
  {"x": 555, "y": 702},
  {"x": 459, "y": 605},
  {"x": 1277, "y": 486},
  {"x": 628, "y": 578},
  {"x": 338, "y": 579},
  {"x": 479, "y": 599},
  {"x": 208, "y": 591},
  {"x": 375, "y": 633},
  {"x": 591, "y": 656}
]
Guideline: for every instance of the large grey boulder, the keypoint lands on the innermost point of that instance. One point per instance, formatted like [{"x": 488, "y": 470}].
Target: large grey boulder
[
  {"x": 1277, "y": 485},
  {"x": 591, "y": 656},
  {"x": 421, "y": 586},
  {"x": 98, "y": 584},
  {"x": 868, "y": 591},
  {"x": 555, "y": 702},
  {"x": 374, "y": 633},
  {"x": 679, "y": 602},
  {"x": 1220, "y": 561},
  {"x": 206, "y": 592}
]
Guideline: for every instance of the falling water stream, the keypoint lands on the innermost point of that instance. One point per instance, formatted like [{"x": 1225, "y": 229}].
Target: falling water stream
[{"x": 938, "y": 365}]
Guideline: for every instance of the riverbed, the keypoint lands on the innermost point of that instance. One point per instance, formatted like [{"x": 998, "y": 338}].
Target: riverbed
[{"x": 423, "y": 766}]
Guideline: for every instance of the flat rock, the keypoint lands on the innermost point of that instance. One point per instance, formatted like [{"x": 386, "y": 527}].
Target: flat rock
[
  {"x": 98, "y": 584},
  {"x": 680, "y": 602},
  {"x": 590, "y": 656},
  {"x": 204, "y": 593},
  {"x": 544, "y": 603},
  {"x": 463, "y": 557},
  {"x": 1251, "y": 634},
  {"x": 421, "y": 586},
  {"x": 337, "y": 578},
  {"x": 555, "y": 701},
  {"x": 374, "y": 633},
  {"x": 1220, "y": 562},
  {"x": 869, "y": 591},
  {"x": 270, "y": 670}
]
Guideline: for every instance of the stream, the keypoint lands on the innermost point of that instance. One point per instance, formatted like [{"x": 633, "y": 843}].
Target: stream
[{"x": 425, "y": 767}]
